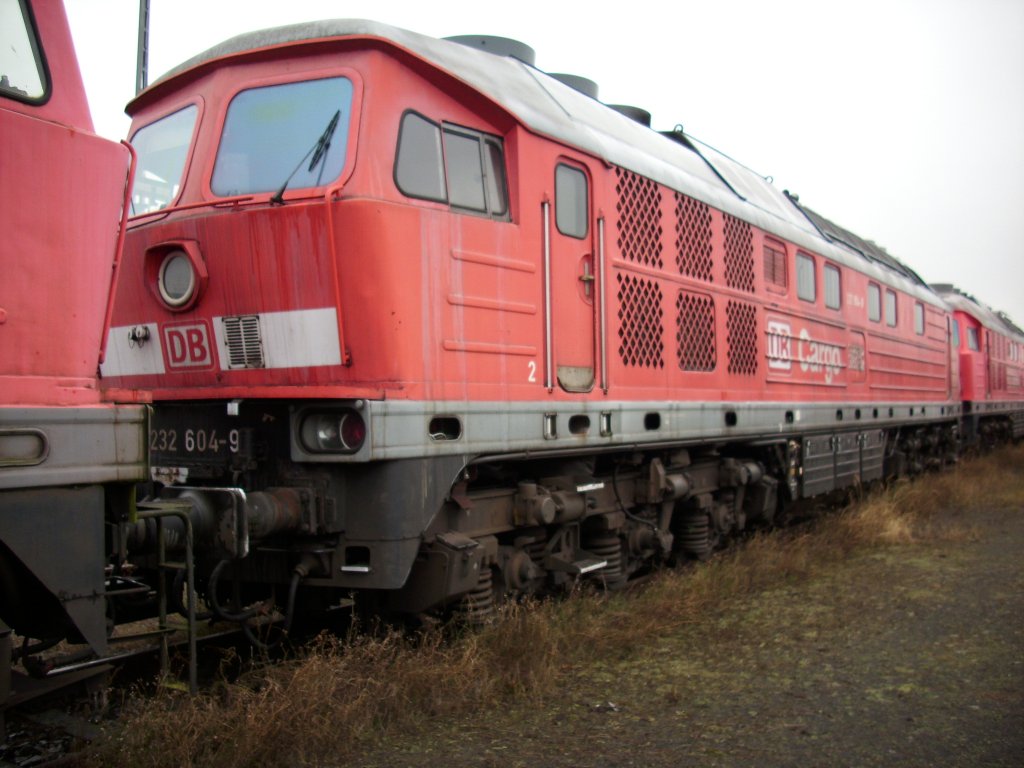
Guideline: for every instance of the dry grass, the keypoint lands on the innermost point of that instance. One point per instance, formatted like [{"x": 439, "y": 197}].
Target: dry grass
[{"x": 339, "y": 695}]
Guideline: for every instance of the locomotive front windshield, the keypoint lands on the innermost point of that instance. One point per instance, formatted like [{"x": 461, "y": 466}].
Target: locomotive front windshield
[
  {"x": 161, "y": 148},
  {"x": 290, "y": 136}
]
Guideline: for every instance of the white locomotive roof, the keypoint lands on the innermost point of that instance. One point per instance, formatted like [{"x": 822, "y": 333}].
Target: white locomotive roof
[
  {"x": 551, "y": 108},
  {"x": 987, "y": 316}
]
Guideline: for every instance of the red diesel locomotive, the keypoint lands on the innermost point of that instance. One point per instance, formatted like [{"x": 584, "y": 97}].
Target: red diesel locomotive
[
  {"x": 69, "y": 458},
  {"x": 425, "y": 324},
  {"x": 990, "y": 349}
]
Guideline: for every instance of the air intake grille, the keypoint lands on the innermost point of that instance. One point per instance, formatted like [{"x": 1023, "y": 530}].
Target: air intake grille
[
  {"x": 739, "y": 254},
  {"x": 695, "y": 331},
  {"x": 741, "y": 337},
  {"x": 242, "y": 337},
  {"x": 693, "y": 238},
  {"x": 640, "y": 315},
  {"x": 639, "y": 210}
]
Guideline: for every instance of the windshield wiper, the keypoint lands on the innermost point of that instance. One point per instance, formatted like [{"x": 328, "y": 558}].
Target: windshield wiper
[{"x": 319, "y": 153}]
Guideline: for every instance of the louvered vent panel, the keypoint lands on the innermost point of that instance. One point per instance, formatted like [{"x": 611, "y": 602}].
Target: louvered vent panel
[
  {"x": 695, "y": 332},
  {"x": 693, "y": 238},
  {"x": 775, "y": 266},
  {"x": 741, "y": 337},
  {"x": 640, "y": 316},
  {"x": 639, "y": 223},
  {"x": 739, "y": 254},
  {"x": 242, "y": 336}
]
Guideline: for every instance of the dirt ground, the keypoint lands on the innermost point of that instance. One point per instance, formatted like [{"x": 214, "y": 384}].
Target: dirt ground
[{"x": 910, "y": 655}]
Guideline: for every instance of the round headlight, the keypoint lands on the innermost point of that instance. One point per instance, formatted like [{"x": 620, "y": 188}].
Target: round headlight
[
  {"x": 339, "y": 432},
  {"x": 177, "y": 280}
]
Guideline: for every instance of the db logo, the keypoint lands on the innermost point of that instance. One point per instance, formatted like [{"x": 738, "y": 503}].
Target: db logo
[{"x": 187, "y": 345}]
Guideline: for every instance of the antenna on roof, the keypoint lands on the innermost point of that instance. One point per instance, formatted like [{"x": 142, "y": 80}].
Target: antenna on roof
[{"x": 142, "y": 62}]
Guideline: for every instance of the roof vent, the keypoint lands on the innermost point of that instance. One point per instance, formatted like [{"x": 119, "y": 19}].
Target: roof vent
[
  {"x": 499, "y": 46},
  {"x": 636, "y": 114},
  {"x": 581, "y": 84}
]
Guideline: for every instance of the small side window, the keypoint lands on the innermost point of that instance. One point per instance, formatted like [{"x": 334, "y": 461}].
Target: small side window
[
  {"x": 972, "y": 340},
  {"x": 22, "y": 74},
  {"x": 419, "y": 171},
  {"x": 451, "y": 164},
  {"x": 571, "y": 201},
  {"x": 494, "y": 167},
  {"x": 874, "y": 303},
  {"x": 805, "y": 279},
  {"x": 890, "y": 308},
  {"x": 956, "y": 334},
  {"x": 833, "y": 289},
  {"x": 775, "y": 277},
  {"x": 465, "y": 171},
  {"x": 918, "y": 318}
]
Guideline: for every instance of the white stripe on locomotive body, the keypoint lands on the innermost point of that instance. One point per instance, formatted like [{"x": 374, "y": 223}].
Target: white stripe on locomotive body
[
  {"x": 401, "y": 429},
  {"x": 304, "y": 338},
  {"x": 550, "y": 108},
  {"x": 126, "y": 356}
]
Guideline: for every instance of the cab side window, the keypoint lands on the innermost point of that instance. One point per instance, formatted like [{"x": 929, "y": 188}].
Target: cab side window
[
  {"x": 419, "y": 169},
  {"x": 972, "y": 340},
  {"x": 451, "y": 164},
  {"x": 22, "y": 75}
]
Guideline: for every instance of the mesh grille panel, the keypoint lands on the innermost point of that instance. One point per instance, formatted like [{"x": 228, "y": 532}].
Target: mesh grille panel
[
  {"x": 693, "y": 238},
  {"x": 741, "y": 337},
  {"x": 739, "y": 254},
  {"x": 695, "y": 332},
  {"x": 639, "y": 223},
  {"x": 242, "y": 336},
  {"x": 640, "y": 329}
]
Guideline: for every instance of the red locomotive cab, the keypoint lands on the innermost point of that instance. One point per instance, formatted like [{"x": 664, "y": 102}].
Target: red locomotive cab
[
  {"x": 67, "y": 454},
  {"x": 973, "y": 366},
  {"x": 300, "y": 251},
  {"x": 990, "y": 348},
  {"x": 59, "y": 184}
]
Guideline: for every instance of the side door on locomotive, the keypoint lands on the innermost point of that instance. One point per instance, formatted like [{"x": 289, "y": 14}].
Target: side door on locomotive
[{"x": 571, "y": 266}]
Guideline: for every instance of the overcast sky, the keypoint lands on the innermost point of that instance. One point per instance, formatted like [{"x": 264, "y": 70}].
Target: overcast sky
[{"x": 902, "y": 120}]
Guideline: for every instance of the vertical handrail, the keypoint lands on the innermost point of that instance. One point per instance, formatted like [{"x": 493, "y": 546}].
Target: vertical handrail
[
  {"x": 161, "y": 596},
  {"x": 601, "y": 310},
  {"x": 126, "y": 202},
  {"x": 346, "y": 358},
  {"x": 5, "y": 675},
  {"x": 549, "y": 380},
  {"x": 142, "y": 57},
  {"x": 190, "y": 581}
]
